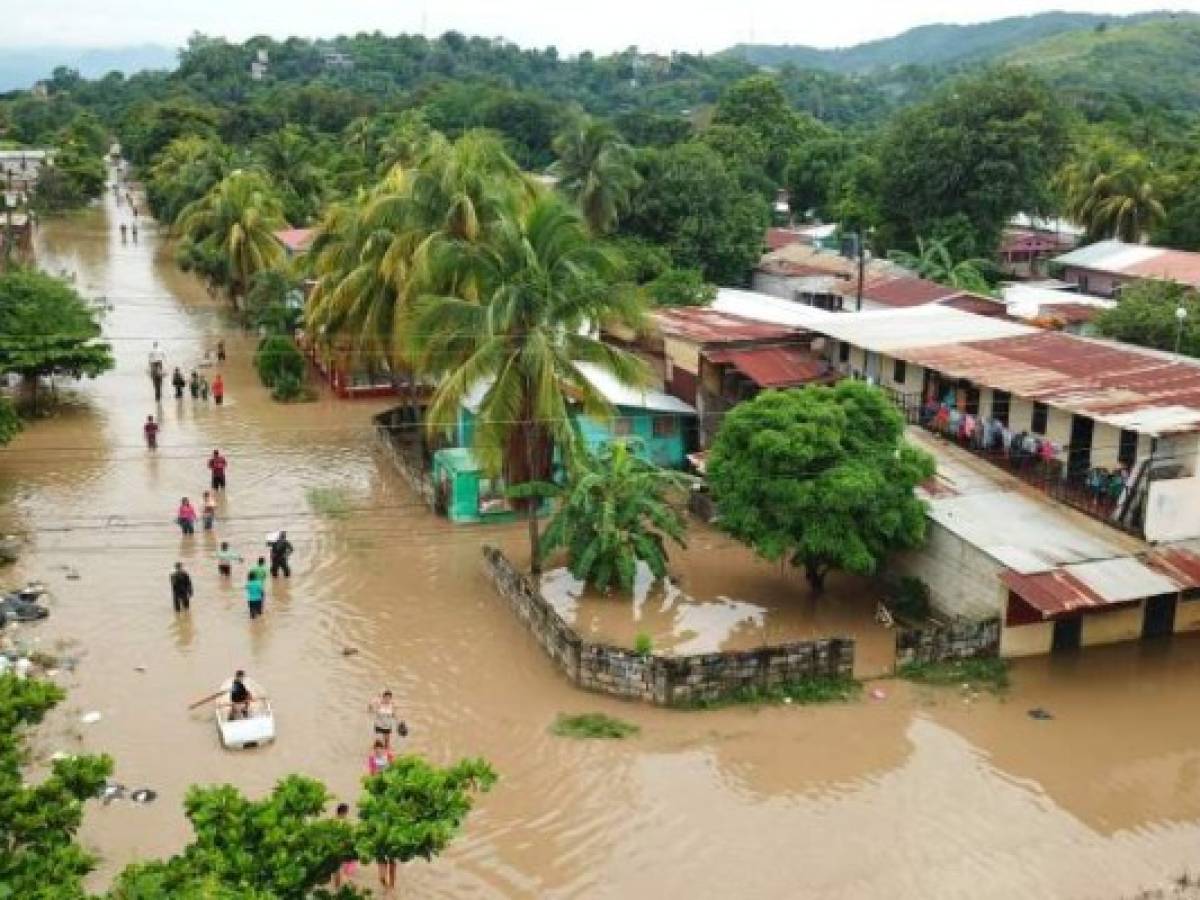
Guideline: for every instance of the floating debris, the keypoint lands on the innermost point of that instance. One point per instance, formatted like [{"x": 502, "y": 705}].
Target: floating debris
[
  {"x": 1038, "y": 713},
  {"x": 90, "y": 718},
  {"x": 112, "y": 791},
  {"x": 878, "y": 694},
  {"x": 143, "y": 795}
]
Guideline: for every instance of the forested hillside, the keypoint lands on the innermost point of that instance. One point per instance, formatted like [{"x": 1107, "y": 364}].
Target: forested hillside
[{"x": 932, "y": 45}]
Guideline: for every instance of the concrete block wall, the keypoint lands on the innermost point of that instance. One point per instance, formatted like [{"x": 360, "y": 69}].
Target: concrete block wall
[
  {"x": 938, "y": 643},
  {"x": 663, "y": 680}
]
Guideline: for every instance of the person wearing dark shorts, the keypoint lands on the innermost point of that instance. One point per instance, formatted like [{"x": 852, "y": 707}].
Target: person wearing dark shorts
[
  {"x": 217, "y": 464},
  {"x": 255, "y": 591},
  {"x": 181, "y": 589},
  {"x": 383, "y": 718},
  {"x": 281, "y": 549}
]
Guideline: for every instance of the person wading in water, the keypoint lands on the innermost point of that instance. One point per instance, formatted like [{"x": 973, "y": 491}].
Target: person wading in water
[{"x": 181, "y": 589}]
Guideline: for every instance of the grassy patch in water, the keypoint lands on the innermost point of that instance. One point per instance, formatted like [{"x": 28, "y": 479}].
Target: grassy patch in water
[
  {"x": 987, "y": 674},
  {"x": 332, "y": 503},
  {"x": 804, "y": 691},
  {"x": 592, "y": 726}
]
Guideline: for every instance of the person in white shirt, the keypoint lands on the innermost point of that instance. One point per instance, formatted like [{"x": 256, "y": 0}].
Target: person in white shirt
[{"x": 158, "y": 364}]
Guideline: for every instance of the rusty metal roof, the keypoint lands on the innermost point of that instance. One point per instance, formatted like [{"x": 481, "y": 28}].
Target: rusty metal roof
[
  {"x": 1105, "y": 583},
  {"x": 905, "y": 291},
  {"x": 1117, "y": 258},
  {"x": 1125, "y": 386},
  {"x": 1053, "y": 594},
  {"x": 773, "y": 367},
  {"x": 703, "y": 325}
]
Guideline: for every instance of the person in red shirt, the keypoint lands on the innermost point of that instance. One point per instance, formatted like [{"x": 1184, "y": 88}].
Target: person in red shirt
[
  {"x": 218, "y": 389},
  {"x": 217, "y": 465},
  {"x": 151, "y": 431}
]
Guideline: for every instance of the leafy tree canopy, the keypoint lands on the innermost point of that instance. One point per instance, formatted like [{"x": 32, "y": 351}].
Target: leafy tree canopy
[
  {"x": 821, "y": 477},
  {"x": 46, "y": 328},
  {"x": 1146, "y": 316},
  {"x": 759, "y": 104},
  {"x": 986, "y": 147},
  {"x": 690, "y": 203}
]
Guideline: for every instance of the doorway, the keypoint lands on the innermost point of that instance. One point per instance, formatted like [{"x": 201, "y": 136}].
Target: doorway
[
  {"x": 1068, "y": 634},
  {"x": 1079, "y": 459},
  {"x": 1159, "y": 619}
]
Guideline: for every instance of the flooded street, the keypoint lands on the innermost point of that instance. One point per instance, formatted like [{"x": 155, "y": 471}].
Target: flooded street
[{"x": 921, "y": 794}]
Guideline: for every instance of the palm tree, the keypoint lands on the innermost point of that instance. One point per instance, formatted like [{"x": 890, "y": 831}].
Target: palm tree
[
  {"x": 287, "y": 155},
  {"x": 615, "y": 512},
  {"x": 541, "y": 283},
  {"x": 236, "y": 221},
  {"x": 373, "y": 260},
  {"x": 1112, "y": 192},
  {"x": 934, "y": 261},
  {"x": 595, "y": 169}
]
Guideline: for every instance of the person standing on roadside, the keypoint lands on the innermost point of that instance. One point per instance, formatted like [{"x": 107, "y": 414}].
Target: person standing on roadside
[
  {"x": 218, "y": 386},
  {"x": 220, "y": 351},
  {"x": 254, "y": 595},
  {"x": 179, "y": 383},
  {"x": 181, "y": 589},
  {"x": 203, "y": 388},
  {"x": 150, "y": 429},
  {"x": 281, "y": 549},
  {"x": 186, "y": 517},
  {"x": 158, "y": 362},
  {"x": 217, "y": 464}
]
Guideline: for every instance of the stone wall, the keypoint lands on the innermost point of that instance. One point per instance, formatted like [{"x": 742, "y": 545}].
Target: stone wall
[
  {"x": 938, "y": 643},
  {"x": 402, "y": 443},
  {"x": 664, "y": 680}
]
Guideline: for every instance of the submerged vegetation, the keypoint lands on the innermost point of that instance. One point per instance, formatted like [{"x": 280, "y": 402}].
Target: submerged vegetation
[
  {"x": 592, "y": 726},
  {"x": 805, "y": 691},
  {"x": 981, "y": 674}
]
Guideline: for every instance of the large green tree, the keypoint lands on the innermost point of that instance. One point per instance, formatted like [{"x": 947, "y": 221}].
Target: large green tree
[
  {"x": 540, "y": 285},
  {"x": 759, "y": 104},
  {"x": 1146, "y": 315},
  {"x": 616, "y": 510},
  {"x": 47, "y": 329},
  {"x": 39, "y": 856},
  {"x": 691, "y": 204},
  {"x": 595, "y": 168},
  {"x": 820, "y": 477},
  {"x": 986, "y": 147}
]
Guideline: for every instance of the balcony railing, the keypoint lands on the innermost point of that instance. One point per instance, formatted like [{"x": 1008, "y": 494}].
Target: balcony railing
[{"x": 1112, "y": 496}]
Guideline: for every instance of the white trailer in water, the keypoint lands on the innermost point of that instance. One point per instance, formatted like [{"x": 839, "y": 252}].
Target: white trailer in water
[{"x": 255, "y": 728}]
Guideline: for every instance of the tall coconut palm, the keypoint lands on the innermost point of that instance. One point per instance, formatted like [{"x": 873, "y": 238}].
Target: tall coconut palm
[
  {"x": 595, "y": 168},
  {"x": 375, "y": 258},
  {"x": 237, "y": 221},
  {"x": 1112, "y": 192},
  {"x": 543, "y": 283}
]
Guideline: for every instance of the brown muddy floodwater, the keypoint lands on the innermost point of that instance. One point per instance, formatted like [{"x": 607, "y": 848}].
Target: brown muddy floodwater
[{"x": 921, "y": 794}]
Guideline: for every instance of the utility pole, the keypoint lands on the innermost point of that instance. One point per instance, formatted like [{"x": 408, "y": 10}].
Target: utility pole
[{"x": 1181, "y": 315}]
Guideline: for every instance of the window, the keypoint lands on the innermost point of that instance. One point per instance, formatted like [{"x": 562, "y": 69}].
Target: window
[
  {"x": 665, "y": 426},
  {"x": 843, "y": 352},
  {"x": 1000, "y": 402},
  {"x": 1127, "y": 451},
  {"x": 972, "y": 401},
  {"x": 899, "y": 370},
  {"x": 622, "y": 426},
  {"x": 1041, "y": 413}
]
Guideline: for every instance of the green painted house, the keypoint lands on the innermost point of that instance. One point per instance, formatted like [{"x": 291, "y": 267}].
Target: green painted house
[{"x": 656, "y": 423}]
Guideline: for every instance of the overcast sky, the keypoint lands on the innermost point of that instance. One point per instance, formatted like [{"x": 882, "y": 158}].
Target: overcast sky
[{"x": 600, "y": 25}]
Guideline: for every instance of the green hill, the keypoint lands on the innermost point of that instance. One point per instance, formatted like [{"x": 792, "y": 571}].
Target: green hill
[
  {"x": 936, "y": 45},
  {"x": 1154, "y": 62}
]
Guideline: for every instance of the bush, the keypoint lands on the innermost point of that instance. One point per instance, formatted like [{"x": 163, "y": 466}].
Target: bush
[
  {"x": 280, "y": 363},
  {"x": 987, "y": 673},
  {"x": 643, "y": 644},
  {"x": 592, "y": 726},
  {"x": 804, "y": 691},
  {"x": 910, "y": 599}
]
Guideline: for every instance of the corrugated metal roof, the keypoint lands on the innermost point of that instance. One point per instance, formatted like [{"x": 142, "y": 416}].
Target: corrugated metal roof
[
  {"x": 1118, "y": 258},
  {"x": 1182, "y": 566},
  {"x": 296, "y": 239},
  {"x": 1122, "y": 579},
  {"x": 906, "y": 291},
  {"x": 1053, "y": 593},
  {"x": 705, "y": 325},
  {"x": 773, "y": 367},
  {"x": 612, "y": 390},
  {"x": 1150, "y": 392},
  {"x": 775, "y": 310},
  {"x": 890, "y": 330}
]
